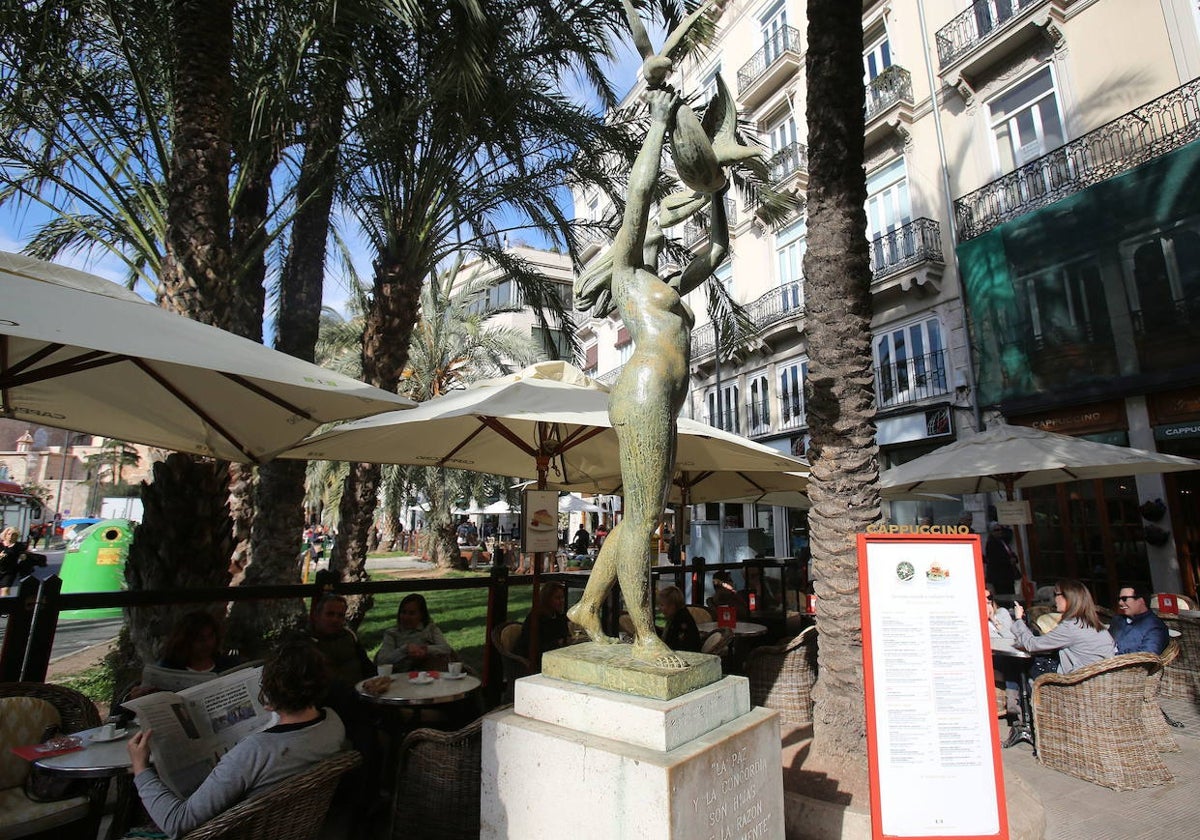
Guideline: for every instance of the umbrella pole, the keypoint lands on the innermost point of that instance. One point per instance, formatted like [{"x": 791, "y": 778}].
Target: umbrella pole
[
  {"x": 543, "y": 471},
  {"x": 1022, "y": 565}
]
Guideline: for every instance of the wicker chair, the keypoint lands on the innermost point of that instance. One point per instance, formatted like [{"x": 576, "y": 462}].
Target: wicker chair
[
  {"x": 1181, "y": 680},
  {"x": 782, "y": 677},
  {"x": 78, "y": 816},
  {"x": 504, "y": 639},
  {"x": 700, "y": 614},
  {"x": 1090, "y": 723},
  {"x": 438, "y": 784},
  {"x": 292, "y": 810},
  {"x": 1157, "y": 724}
]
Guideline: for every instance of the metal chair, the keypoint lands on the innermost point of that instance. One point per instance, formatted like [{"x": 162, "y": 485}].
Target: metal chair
[
  {"x": 1112, "y": 748},
  {"x": 292, "y": 810},
  {"x": 782, "y": 677},
  {"x": 437, "y": 785}
]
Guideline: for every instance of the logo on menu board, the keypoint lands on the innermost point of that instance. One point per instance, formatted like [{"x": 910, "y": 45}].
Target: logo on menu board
[
  {"x": 937, "y": 574},
  {"x": 905, "y": 570}
]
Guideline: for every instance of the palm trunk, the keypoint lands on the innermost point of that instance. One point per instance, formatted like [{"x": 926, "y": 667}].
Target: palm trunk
[
  {"x": 185, "y": 537},
  {"x": 386, "y": 336},
  {"x": 844, "y": 488}
]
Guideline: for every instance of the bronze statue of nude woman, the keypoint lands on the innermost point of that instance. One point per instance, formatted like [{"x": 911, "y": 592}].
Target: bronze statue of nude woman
[{"x": 651, "y": 389}]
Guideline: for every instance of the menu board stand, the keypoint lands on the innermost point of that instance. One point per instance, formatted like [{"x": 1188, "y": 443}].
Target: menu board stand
[{"x": 933, "y": 742}]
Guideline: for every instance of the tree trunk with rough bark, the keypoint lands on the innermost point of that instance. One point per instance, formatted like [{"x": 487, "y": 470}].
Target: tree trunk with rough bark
[
  {"x": 184, "y": 542},
  {"x": 185, "y": 538},
  {"x": 840, "y": 398},
  {"x": 387, "y": 332}
]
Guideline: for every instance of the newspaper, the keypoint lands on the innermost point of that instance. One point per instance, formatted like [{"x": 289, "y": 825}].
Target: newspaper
[{"x": 194, "y": 727}]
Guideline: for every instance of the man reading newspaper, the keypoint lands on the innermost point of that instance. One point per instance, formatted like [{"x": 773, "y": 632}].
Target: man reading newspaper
[{"x": 225, "y": 740}]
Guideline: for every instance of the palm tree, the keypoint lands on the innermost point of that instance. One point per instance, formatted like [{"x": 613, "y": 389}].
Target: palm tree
[
  {"x": 454, "y": 343},
  {"x": 844, "y": 488},
  {"x": 458, "y": 124}
]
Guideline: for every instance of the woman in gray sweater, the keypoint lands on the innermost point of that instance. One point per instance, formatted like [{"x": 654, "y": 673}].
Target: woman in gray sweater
[
  {"x": 1080, "y": 638},
  {"x": 305, "y": 735}
]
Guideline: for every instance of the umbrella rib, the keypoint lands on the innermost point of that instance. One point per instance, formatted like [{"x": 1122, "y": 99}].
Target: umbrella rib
[
  {"x": 499, "y": 428},
  {"x": 197, "y": 410},
  {"x": 267, "y": 395},
  {"x": 20, "y": 373}
]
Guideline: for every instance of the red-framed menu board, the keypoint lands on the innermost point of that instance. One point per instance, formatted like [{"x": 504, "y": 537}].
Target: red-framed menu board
[{"x": 933, "y": 743}]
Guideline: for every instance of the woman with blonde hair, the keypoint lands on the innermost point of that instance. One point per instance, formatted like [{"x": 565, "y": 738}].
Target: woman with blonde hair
[
  {"x": 1080, "y": 638},
  {"x": 11, "y": 549}
]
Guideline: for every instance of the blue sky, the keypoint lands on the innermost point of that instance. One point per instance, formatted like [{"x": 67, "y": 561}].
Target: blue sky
[{"x": 17, "y": 226}]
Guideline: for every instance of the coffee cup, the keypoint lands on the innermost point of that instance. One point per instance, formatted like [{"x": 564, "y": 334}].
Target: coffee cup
[
  {"x": 454, "y": 669},
  {"x": 106, "y": 732},
  {"x": 423, "y": 675},
  {"x": 385, "y": 670}
]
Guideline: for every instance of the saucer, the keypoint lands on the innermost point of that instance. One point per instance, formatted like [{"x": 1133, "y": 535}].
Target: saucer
[
  {"x": 420, "y": 680},
  {"x": 116, "y": 736},
  {"x": 453, "y": 676}
]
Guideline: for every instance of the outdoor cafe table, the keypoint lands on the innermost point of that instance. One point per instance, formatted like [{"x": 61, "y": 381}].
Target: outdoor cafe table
[
  {"x": 402, "y": 691},
  {"x": 1022, "y": 730},
  {"x": 98, "y": 760},
  {"x": 745, "y": 629}
]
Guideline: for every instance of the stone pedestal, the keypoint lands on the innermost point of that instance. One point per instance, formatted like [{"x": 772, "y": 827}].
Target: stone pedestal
[{"x": 588, "y": 763}]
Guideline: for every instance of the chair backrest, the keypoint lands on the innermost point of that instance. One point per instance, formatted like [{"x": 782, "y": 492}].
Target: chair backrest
[
  {"x": 75, "y": 711},
  {"x": 717, "y": 641},
  {"x": 1182, "y": 601},
  {"x": 292, "y": 810},
  {"x": 1170, "y": 653},
  {"x": 438, "y": 783},
  {"x": 505, "y": 636},
  {"x": 700, "y": 614}
]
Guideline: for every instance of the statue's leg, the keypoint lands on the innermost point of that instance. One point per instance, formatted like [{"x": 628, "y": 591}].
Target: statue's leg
[{"x": 586, "y": 613}]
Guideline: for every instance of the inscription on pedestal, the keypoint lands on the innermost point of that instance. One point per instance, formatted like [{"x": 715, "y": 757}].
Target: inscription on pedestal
[{"x": 733, "y": 806}]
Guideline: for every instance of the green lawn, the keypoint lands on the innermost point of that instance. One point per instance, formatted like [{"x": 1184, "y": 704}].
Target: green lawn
[{"x": 461, "y": 613}]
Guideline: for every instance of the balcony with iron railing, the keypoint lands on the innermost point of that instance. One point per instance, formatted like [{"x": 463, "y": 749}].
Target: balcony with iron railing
[
  {"x": 728, "y": 421},
  {"x": 989, "y": 31},
  {"x": 767, "y": 69},
  {"x": 1143, "y": 134},
  {"x": 758, "y": 418},
  {"x": 783, "y": 304},
  {"x": 979, "y": 22},
  {"x": 889, "y": 105},
  {"x": 909, "y": 380},
  {"x": 918, "y": 242},
  {"x": 790, "y": 161}
]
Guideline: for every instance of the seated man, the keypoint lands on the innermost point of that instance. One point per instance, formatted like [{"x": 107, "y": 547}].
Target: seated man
[
  {"x": 292, "y": 682},
  {"x": 348, "y": 661},
  {"x": 1135, "y": 628}
]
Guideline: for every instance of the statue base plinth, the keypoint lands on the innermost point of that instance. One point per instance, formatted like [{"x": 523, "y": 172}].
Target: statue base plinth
[
  {"x": 611, "y": 667},
  {"x": 591, "y": 764}
]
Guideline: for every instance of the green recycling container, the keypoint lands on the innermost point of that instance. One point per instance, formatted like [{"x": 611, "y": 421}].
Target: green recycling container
[{"x": 95, "y": 562}]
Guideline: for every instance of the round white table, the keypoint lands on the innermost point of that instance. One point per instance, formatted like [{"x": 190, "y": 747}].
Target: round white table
[
  {"x": 742, "y": 628},
  {"x": 402, "y": 691},
  {"x": 99, "y": 760}
]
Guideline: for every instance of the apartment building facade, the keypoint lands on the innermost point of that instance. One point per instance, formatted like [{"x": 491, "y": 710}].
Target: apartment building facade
[{"x": 1031, "y": 225}]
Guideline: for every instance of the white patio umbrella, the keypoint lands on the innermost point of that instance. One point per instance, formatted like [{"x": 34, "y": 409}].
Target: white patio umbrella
[
  {"x": 1005, "y": 457},
  {"x": 79, "y": 352},
  {"x": 574, "y": 504},
  {"x": 549, "y": 421}
]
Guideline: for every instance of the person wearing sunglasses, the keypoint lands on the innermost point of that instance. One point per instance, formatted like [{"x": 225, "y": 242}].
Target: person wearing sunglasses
[
  {"x": 1080, "y": 638},
  {"x": 1135, "y": 628}
]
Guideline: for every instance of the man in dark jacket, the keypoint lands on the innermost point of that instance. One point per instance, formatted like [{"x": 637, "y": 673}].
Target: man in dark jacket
[{"x": 1136, "y": 629}]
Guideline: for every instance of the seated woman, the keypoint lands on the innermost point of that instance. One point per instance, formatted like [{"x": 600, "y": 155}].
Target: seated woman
[
  {"x": 195, "y": 645},
  {"x": 552, "y": 627},
  {"x": 681, "y": 632},
  {"x": 292, "y": 681},
  {"x": 415, "y": 642},
  {"x": 1080, "y": 638}
]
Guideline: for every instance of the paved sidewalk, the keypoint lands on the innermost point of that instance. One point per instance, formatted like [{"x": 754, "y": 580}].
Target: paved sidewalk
[{"x": 1078, "y": 810}]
